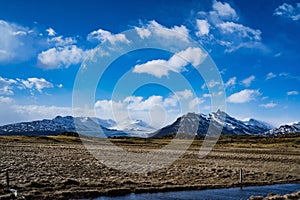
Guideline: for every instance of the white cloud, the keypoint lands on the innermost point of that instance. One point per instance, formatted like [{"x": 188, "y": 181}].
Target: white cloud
[
  {"x": 264, "y": 98},
  {"x": 212, "y": 83},
  {"x": 14, "y": 45},
  {"x": 37, "y": 83},
  {"x": 247, "y": 81},
  {"x": 176, "y": 63},
  {"x": 38, "y": 112},
  {"x": 5, "y": 100},
  {"x": 240, "y": 30},
  {"x": 195, "y": 102},
  {"x": 60, "y": 85},
  {"x": 270, "y": 75},
  {"x": 138, "y": 107},
  {"x": 230, "y": 82},
  {"x": 12, "y": 112},
  {"x": 224, "y": 10},
  {"x": 51, "y": 32},
  {"x": 142, "y": 32},
  {"x": 185, "y": 94},
  {"x": 93, "y": 54},
  {"x": 176, "y": 32},
  {"x": 289, "y": 11},
  {"x": 6, "y": 87},
  {"x": 61, "y": 41},
  {"x": 61, "y": 57},
  {"x": 277, "y": 54},
  {"x": 103, "y": 36},
  {"x": 243, "y": 96},
  {"x": 203, "y": 27},
  {"x": 156, "y": 68},
  {"x": 19, "y": 33},
  {"x": 206, "y": 95},
  {"x": 294, "y": 92},
  {"x": 137, "y": 103},
  {"x": 268, "y": 105},
  {"x": 224, "y": 29}
]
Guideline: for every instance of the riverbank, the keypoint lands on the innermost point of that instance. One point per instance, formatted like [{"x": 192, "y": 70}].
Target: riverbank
[{"x": 60, "y": 167}]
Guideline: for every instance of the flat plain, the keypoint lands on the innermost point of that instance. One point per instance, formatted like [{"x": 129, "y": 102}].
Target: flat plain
[{"x": 60, "y": 167}]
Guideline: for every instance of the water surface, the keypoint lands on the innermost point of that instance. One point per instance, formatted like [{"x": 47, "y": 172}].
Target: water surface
[{"x": 230, "y": 193}]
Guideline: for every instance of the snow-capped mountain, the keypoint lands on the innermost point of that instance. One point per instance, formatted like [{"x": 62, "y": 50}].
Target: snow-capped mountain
[
  {"x": 258, "y": 123},
  {"x": 284, "y": 129},
  {"x": 86, "y": 125},
  {"x": 198, "y": 124},
  {"x": 134, "y": 127},
  {"x": 189, "y": 124}
]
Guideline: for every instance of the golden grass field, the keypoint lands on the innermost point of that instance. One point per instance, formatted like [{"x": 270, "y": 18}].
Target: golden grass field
[{"x": 60, "y": 167}]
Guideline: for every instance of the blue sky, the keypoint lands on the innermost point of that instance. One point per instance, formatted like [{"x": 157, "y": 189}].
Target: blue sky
[{"x": 255, "y": 46}]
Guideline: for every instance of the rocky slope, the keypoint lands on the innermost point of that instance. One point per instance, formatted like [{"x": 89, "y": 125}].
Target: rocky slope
[
  {"x": 197, "y": 124},
  {"x": 284, "y": 129}
]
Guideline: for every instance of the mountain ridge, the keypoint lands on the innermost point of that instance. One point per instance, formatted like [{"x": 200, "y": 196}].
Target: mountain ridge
[
  {"x": 216, "y": 121},
  {"x": 189, "y": 124}
]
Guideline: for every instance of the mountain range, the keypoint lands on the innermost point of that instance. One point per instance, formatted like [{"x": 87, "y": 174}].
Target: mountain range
[
  {"x": 190, "y": 123},
  {"x": 197, "y": 124}
]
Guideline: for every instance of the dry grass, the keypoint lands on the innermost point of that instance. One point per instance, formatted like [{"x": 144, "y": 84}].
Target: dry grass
[{"x": 61, "y": 167}]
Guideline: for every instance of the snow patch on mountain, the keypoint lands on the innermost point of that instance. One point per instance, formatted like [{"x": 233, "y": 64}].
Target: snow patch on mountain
[
  {"x": 284, "y": 129},
  {"x": 86, "y": 125},
  {"x": 198, "y": 124}
]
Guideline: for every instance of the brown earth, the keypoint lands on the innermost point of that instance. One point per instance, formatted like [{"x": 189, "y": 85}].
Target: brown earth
[{"x": 60, "y": 167}]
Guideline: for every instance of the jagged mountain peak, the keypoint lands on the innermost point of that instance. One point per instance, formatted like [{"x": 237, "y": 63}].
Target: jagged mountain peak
[
  {"x": 192, "y": 123},
  {"x": 284, "y": 129},
  {"x": 255, "y": 122},
  {"x": 76, "y": 124}
]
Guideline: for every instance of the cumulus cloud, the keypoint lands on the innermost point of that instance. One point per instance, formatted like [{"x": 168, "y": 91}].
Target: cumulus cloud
[
  {"x": 176, "y": 63},
  {"x": 12, "y": 112},
  {"x": 42, "y": 112},
  {"x": 50, "y": 31},
  {"x": 212, "y": 83},
  {"x": 61, "y": 41},
  {"x": 5, "y": 100},
  {"x": 225, "y": 30},
  {"x": 243, "y": 96},
  {"x": 142, "y": 32},
  {"x": 138, "y": 107},
  {"x": 103, "y": 36},
  {"x": 288, "y": 11},
  {"x": 293, "y": 92},
  {"x": 175, "y": 32},
  {"x": 203, "y": 27},
  {"x": 195, "y": 102},
  {"x": 6, "y": 86},
  {"x": 240, "y": 30},
  {"x": 185, "y": 94},
  {"x": 206, "y": 95},
  {"x": 268, "y": 105},
  {"x": 270, "y": 75},
  {"x": 15, "y": 42},
  {"x": 247, "y": 81},
  {"x": 61, "y": 57},
  {"x": 36, "y": 83},
  {"x": 224, "y": 10},
  {"x": 230, "y": 82}
]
